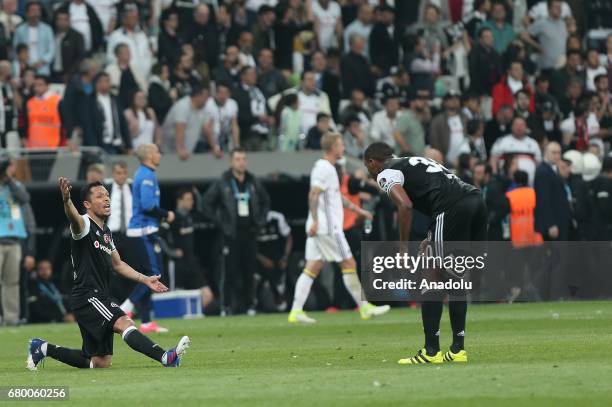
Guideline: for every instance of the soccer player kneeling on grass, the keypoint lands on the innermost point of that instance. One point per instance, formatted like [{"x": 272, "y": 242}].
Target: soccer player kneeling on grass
[
  {"x": 94, "y": 258},
  {"x": 326, "y": 240}
]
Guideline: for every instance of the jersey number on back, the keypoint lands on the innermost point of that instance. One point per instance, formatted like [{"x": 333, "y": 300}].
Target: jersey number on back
[{"x": 432, "y": 166}]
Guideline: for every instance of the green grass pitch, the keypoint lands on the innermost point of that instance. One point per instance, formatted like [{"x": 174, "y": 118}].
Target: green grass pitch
[{"x": 524, "y": 354}]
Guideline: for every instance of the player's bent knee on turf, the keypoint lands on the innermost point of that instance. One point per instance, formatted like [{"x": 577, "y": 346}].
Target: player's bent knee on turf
[{"x": 101, "y": 362}]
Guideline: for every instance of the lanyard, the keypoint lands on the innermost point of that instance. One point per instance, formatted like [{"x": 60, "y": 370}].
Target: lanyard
[{"x": 241, "y": 196}]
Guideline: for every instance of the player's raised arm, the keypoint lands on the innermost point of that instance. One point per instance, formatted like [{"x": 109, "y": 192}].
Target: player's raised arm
[
  {"x": 77, "y": 224},
  {"x": 404, "y": 210},
  {"x": 128, "y": 272},
  {"x": 313, "y": 206}
]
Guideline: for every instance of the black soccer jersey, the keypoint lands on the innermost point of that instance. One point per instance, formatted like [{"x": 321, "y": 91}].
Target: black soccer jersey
[
  {"x": 91, "y": 261},
  {"x": 431, "y": 187}
]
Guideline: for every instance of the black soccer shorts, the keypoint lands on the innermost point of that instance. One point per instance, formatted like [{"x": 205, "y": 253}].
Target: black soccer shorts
[
  {"x": 465, "y": 221},
  {"x": 96, "y": 319}
]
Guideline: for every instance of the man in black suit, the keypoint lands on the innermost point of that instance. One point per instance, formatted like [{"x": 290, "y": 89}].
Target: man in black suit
[
  {"x": 384, "y": 44},
  {"x": 552, "y": 213},
  {"x": 484, "y": 64},
  {"x": 356, "y": 70},
  {"x": 71, "y": 48}
]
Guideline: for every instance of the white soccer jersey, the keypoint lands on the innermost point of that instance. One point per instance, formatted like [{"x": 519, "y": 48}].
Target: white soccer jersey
[
  {"x": 526, "y": 151},
  {"x": 330, "y": 210}
]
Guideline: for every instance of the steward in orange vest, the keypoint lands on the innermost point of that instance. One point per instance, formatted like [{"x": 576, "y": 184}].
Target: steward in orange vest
[
  {"x": 44, "y": 124},
  {"x": 522, "y": 209}
]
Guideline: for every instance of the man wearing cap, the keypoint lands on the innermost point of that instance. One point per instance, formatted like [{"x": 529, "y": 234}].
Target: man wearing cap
[
  {"x": 396, "y": 83},
  {"x": 447, "y": 131}
]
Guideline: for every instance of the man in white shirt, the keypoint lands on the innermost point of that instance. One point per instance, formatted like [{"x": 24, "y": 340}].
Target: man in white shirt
[
  {"x": 311, "y": 101},
  {"x": 328, "y": 23},
  {"x": 121, "y": 200},
  {"x": 384, "y": 121},
  {"x": 107, "y": 13},
  {"x": 79, "y": 20},
  {"x": 593, "y": 68},
  {"x": 223, "y": 112},
  {"x": 362, "y": 26},
  {"x": 131, "y": 34},
  {"x": 326, "y": 240},
  {"x": 516, "y": 146}
]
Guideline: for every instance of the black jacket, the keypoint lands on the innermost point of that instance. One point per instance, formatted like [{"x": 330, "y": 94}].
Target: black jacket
[
  {"x": 169, "y": 48},
  {"x": 205, "y": 43},
  {"x": 384, "y": 49},
  {"x": 120, "y": 126},
  {"x": 97, "y": 31},
  {"x": 356, "y": 74},
  {"x": 552, "y": 204},
  {"x": 330, "y": 84},
  {"x": 159, "y": 100},
  {"x": 219, "y": 204},
  {"x": 485, "y": 69},
  {"x": 74, "y": 105},
  {"x": 72, "y": 51}
]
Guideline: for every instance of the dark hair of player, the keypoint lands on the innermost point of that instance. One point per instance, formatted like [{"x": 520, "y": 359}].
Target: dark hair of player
[
  {"x": 378, "y": 151},
  {"x": 86, "y": 190}
]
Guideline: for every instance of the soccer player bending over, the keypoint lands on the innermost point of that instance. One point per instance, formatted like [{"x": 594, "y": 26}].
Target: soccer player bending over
[
  {"x": 459, "y": 214},
  {"x": 326, "y": 240},
  {"x": 94, "y": 257}
]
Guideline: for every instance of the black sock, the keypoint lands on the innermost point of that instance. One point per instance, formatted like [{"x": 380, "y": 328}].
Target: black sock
[
  {"x": 431, "y": 312},
  {"x": 457, "y": 310},
  {"x": 142, "y": 344},
  {"x": 72, "y": 357}
]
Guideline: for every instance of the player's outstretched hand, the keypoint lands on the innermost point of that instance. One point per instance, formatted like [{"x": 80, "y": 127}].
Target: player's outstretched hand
[
  {"x": 155, "y": 285},
  {"x": 65, "y": 188}
]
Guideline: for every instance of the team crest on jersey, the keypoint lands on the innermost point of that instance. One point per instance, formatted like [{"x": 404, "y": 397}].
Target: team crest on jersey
[
  {"x": 106, "y": 238},
  {"x": 114, "y": 305},
  {"x": 96, "y": 244}
]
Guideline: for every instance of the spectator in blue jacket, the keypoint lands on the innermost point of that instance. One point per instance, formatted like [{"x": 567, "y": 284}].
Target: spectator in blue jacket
[
  {"x": 143, "y": 228},
  {"x": 39, "y": 38}
]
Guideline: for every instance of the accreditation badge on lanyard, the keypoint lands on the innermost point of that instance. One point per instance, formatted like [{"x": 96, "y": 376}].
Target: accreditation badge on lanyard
[{"x": 242, "y": 199}]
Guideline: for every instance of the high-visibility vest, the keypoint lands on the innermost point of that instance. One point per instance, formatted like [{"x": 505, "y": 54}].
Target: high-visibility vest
[
  {"x": 44, "y": 124},
  {"x": 350, "y": 217},
  {"x": 522, "y": 222}
]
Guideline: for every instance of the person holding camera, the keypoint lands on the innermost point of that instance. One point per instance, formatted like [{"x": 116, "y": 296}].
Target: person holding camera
[{"x": 12, "y": 232}]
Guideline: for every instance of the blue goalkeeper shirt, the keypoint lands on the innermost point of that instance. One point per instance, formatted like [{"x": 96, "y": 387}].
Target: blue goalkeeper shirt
[{"x": 146, "y": 212}]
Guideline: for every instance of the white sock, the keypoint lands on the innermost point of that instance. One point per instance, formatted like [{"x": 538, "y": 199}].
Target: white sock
[
  {"x": 127, "y": 306},
  {"x": 91, "y": 366},
  {"x": 352, "y": 284},
  {"x": 302, "y": 289},
  {"x": 43, "y": 348}
]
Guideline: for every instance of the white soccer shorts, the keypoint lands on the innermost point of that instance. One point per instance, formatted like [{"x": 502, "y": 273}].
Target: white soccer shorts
[{"x": 331, "y": 248}]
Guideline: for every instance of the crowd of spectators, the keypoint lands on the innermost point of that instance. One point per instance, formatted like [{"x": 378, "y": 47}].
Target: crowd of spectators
[{"x": 487, "y": 87}]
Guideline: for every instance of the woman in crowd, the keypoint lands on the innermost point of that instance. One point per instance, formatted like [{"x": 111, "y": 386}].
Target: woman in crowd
[{"x": 142, "y": 121}]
